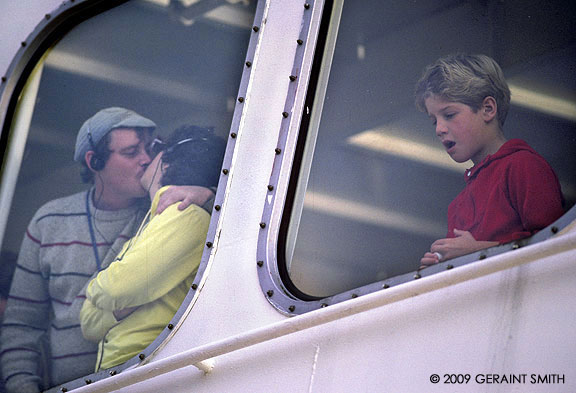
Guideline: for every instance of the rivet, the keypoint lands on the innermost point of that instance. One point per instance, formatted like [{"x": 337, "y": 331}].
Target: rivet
[
  {"x": 292, "y": 77},
  {"x": 554, "y": 230},
  {"x": 88, "y": 381},
  {"x": 482, "y": 256},
  {"x": 270, "y": 187},
  {"x": 255, "y": 28},
  {"x": 260, "y": 263},
  {"x": 3, "y": 79},
  {"x": 47, "y": 16},
  {"x": 112, "y": 373},
  {"x": 270, "y": 293},
  {"x": 278, "y": 150},
  {"x": 299, "y": 41},
  {"x": 262, "y": 225},
  {"x": 285, "y": 114},
  {"x": 385, "y": 286},
  {"x": 217, "y": 208},
  {"x": 233, "y": 135},
  {"x": 209, "y": 244},
  {"x": 170, "y": 326},
  {"x": 417, "y": 276},
  {"x": 194, "y": 286},
  {"x": 225, "y": 171},
  {"x": 354, "y": 296},
  {"x": 240, "y": 99},
  {"x": 63, "y": 390},
  {"x": 248, "y": 64},
  {"x": 23, "y": 44},
  {"x": 142, "y": 356},
  {"x": 448, "y": 267},
  {"x": 324, "y": 305},
  {"x": 307, "y": 5},
  {"x": 515, "y": 246},
  {"x": 291, "y": 308}
]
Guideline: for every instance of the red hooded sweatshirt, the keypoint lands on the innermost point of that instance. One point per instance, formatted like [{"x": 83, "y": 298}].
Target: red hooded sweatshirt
[{"x": 510, "y": 195}]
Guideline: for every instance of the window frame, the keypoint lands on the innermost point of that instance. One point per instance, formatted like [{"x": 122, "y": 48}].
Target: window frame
[
  {"x": 48, "y": 32},
  {"x": 295, "y": 152}
]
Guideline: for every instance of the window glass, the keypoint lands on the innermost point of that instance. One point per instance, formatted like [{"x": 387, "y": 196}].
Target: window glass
[
  {"x": 380, "y": 182},
  {"x": 173, "y": 62}
]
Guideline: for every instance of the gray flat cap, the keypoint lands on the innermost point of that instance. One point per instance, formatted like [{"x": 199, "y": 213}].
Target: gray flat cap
[{"x": 102, "y": 123}]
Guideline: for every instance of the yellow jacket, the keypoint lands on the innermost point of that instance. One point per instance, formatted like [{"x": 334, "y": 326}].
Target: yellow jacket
[{"x": 153, "y": 272}]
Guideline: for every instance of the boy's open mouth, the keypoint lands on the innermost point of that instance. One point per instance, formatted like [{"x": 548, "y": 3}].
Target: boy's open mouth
[{"x": 448, "y": 144}]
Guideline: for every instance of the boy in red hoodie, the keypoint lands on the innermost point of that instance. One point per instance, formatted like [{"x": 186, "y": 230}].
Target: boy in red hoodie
[{"x": 511, "y": 192}]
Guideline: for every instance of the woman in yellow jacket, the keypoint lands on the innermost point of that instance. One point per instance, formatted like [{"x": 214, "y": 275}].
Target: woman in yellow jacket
[{"x": 131, "y": 301}]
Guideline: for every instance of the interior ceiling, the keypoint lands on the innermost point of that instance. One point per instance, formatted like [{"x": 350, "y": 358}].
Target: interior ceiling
[
  {"x": 113, "y": 58},
  {"x": 110, "y": 59},
  {"x": 513, "y": 44},
  {"x": 147, "y": 55},
  {"x": 542, "y": 79}
]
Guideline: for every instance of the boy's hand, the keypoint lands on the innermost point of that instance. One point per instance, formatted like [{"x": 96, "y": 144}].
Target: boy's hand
[
  {"x": 443, "y": 249},
  {"x": 186, "y": 195},
  {"x": 429, "y": 259}
]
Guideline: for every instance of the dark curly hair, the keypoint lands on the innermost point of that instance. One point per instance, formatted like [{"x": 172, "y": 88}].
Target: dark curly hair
[{"x": 194, "y": 156}]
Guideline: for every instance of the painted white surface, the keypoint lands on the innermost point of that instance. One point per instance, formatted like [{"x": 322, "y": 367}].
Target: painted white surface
[
  {"x": 516, "y": 321},
  {"x": 232, "y": 291},
  {"x": 17, "y": 20}
]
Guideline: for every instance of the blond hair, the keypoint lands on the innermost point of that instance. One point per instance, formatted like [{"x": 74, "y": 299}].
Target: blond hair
[{"x": 467, "y": 79}]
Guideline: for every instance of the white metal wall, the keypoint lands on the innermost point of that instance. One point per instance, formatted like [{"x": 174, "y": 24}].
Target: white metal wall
[
  {"x": 516, "y": 321},
  {"x": 17, "y": 20}
]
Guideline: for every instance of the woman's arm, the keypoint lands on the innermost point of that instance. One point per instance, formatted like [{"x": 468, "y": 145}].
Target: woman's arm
[
  {"x": 95, "y": 321},
  {"x": 186, "y": 195},
  {"x": 167, "y": 251}
]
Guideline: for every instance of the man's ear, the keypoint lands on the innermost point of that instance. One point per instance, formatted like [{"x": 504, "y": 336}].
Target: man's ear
[
  {"x": 87, "y": 158},
  {"x": 92, "y": 161},
  {"x": 489, "y": 109}
]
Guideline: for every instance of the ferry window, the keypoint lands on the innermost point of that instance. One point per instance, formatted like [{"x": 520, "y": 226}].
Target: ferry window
[
  {"x": 174, "y": 63},
  {"x": 379, "y": 182}
]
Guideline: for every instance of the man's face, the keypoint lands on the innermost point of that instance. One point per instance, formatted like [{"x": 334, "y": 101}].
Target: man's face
[
  {"x": 126, "y": 165},
  {"x": 153, "y": 174}
]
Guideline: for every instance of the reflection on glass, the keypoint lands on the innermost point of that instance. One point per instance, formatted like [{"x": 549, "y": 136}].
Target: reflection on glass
[
  {"x": 380, "y": 183},
  {"x": 154, "y": 58}
]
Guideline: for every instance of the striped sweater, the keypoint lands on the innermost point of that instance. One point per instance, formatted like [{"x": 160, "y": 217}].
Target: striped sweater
[{"x": 56, "y": 261}]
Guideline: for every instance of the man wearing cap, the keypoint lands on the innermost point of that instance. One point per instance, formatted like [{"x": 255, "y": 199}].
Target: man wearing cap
[{"x": 67, "y": 242}]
